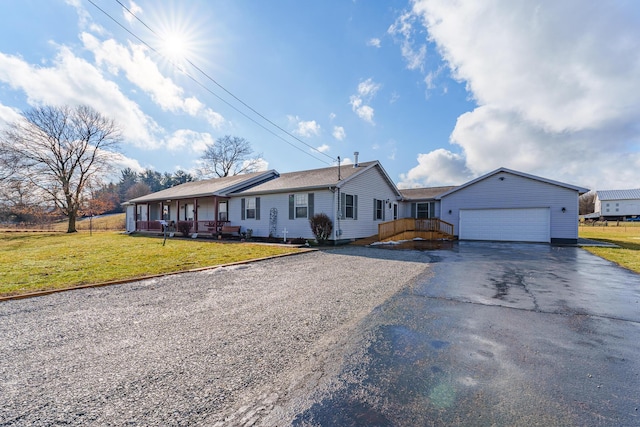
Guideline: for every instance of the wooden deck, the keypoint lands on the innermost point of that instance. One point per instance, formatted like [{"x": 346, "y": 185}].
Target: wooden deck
[{"x": 410, "y": 228}]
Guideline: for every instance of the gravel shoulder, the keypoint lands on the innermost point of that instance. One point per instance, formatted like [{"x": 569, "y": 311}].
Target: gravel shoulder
[{"x": 227, "y": 346}]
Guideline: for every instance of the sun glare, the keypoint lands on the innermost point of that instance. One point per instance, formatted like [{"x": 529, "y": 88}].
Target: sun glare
[
  {"x": 175, "y": 47},
  {"x": 181, "y": 35}
]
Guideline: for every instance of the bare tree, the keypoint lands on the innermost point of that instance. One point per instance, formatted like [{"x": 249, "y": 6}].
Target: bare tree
[
  {"x": 587, "y": 203},
  {"x": 229, "y": 155},
  {"x": 60, "y": 151}
]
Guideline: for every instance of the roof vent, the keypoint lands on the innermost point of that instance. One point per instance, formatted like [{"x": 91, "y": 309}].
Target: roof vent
[{"x": 355, "y": 159}]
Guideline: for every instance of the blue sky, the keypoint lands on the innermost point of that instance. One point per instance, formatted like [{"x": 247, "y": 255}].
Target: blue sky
[{"x": 438, "y": 91}]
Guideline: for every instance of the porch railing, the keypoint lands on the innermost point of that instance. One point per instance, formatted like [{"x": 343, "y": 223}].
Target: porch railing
[
  {"x": 204, "y": 226},
  {"x": 416, "y": 226}
]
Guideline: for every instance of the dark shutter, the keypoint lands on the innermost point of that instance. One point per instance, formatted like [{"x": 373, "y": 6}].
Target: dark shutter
[
  {"x": 355, "y": 207},
  {"x": 375, "y": 209},
  {"x": 413, "y": 210},
  {"x": 343, "y": 205},
  {"x": 292, "y": 206},
  {"x": 257, "y": 207},
  {"x": 310, "y": 205},
  {"x": 242, "y": 209}
]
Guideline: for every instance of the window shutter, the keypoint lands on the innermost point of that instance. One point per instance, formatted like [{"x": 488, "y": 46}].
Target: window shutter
[
  {"x": 310, "y": 205},
  {"x": 257, "y": 207},
  {"x": 343, "y": 205},
  {"x": 242, "y": 209},
  {"x": 413, "y": 210},
  {"x": 375, "y": 208},
  {"x": 292, "y": 206},
  {"x": 355, "y": 207}
]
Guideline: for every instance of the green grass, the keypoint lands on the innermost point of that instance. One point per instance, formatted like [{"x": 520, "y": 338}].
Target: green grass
[
  {"x": 626, "y": 236},
  {"x": 32, "y": 262}
]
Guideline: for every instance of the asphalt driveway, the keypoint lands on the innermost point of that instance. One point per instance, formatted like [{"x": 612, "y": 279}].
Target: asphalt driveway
[{"x": 499, "y": 334}]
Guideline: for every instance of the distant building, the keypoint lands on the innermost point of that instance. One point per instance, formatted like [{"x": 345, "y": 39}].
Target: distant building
[{"x": 616, "y": 205}]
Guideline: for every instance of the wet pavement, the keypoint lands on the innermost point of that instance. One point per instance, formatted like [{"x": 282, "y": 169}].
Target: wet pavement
[{"x": 497, "y": 334}]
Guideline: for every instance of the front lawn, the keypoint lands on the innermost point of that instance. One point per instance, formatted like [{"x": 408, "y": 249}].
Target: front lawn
[
  {"x": 625, "y": 235},
  {"x": 42, "y": 261}
]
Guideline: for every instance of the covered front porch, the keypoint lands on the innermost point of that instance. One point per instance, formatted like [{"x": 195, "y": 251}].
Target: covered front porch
[{"x": 204, "y": 215}]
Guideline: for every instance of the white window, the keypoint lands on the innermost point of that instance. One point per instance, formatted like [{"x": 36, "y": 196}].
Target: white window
[
  {"x": 349, "y": 206},
  {"x": 250, "y": 208},
  {"x": 222, "y": 211},
  {"x": 301, "y": 205},
  {"x": 378, "y": 210}
]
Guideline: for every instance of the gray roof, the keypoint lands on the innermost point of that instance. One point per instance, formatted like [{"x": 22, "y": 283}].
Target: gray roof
[
  {"x": 209, "y": 187},
  {"x": 424, "y": 193},
  {"x": 314, "y": 178},
  {"x": 618, "y": 194},
  {"x": 580, "y": 190}
]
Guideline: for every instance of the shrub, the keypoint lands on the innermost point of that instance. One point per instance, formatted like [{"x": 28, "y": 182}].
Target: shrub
[
  {"x": 184, "y": 227},
  {"x": 321, "y": 226}
]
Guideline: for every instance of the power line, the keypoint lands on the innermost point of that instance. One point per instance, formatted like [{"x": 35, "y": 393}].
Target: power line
[{"x": 208, "y": 77}]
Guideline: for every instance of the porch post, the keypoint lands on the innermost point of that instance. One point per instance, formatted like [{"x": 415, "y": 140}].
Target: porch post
[
  {"x": 195, "y": 214},
  {"x": 215, "y": 210}
]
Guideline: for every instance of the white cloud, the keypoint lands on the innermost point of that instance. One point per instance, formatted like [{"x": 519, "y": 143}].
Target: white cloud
[
  {"x": 303, "y": 128},
  {"x": 368, "y": 88},
  {"x": 374, "y": 42},
  {"x": 339, "y": 133},
  {"x": 439, "y": 167},
  {"x": 186, "y": 139},
  {"x": 323, "y": 148},
  {"x": 366, "y": 91},
  {"x": 556, "y": 85},
  {"x": 142, "y": 71},
  {"x": 135, "y": 9},
  {"x": 72, "y": 80},
  {"x": 414, "y": 53},
  {"x": 8, "y": 115}
]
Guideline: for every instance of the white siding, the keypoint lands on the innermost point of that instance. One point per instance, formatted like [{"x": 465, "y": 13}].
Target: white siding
[
  {"x": 368, "y": 186},
  {"x": 298, "y": 227},
  {"x": 620, "y": 207},
  {"x": 516, "y": 192}
]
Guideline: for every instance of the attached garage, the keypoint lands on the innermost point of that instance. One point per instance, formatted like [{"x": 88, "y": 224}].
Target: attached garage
[
  {"x": 506, "y": 205},
  {"x": 523, "y": 225}
]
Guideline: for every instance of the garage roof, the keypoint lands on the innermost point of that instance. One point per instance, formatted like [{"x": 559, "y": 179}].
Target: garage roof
[{"x": 580, "y": 190}]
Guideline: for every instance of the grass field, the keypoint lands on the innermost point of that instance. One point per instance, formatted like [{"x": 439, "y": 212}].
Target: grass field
[
  {"x": 42, "y": 261},
  {"x": 625, "y": 235}
]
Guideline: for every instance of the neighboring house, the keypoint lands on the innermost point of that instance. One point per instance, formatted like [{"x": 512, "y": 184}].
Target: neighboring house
[
  {"x": 506, "y": 205},
  {"x": 616, "y": 204},
  {"x": 502, "y": 205}
]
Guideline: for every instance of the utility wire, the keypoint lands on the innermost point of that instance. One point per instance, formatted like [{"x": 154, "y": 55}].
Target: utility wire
[{"x": 208, "y": 77}]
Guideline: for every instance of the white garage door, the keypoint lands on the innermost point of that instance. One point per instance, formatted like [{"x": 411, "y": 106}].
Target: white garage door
[{"x": 512, "y": 225}]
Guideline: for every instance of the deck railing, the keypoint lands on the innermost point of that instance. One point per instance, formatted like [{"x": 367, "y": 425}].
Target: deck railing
[{"x": 404, "y": 225}]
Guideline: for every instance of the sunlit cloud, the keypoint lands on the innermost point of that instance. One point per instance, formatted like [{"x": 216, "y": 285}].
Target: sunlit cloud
[
  {"x": 323, "y": 148},
  {"x": 366, "y": 91},
  {"x": 339, "y": 133},
  {"x": 135, "y": 10},
  {"x": 303, "y": 128}
]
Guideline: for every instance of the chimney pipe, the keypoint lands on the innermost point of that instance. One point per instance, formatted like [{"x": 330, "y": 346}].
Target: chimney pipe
[{"x": 355, "y": 159}]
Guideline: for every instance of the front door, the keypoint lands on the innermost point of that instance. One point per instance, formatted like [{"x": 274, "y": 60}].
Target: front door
[{"x": 222, "y": 211}]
